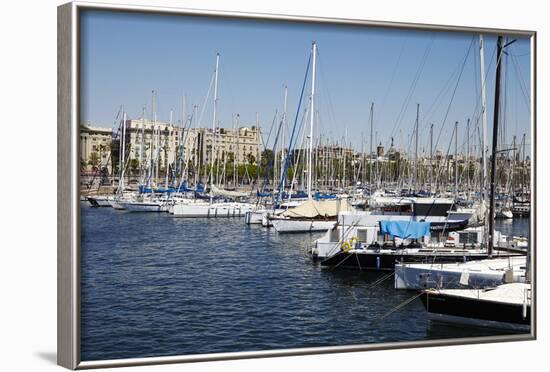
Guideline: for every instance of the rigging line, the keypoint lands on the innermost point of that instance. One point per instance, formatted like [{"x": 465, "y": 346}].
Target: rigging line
[
  {"x": 401, "y": 305},
  {"x": 454, "y": 93},
  {"x": 412, "y": 88},
  {"x": 266, "y": 143},
  {"x": 323, "y": 79},
  {"x": 444, "y": 165},
  {"x": 290, "y": 142},
  {"x": 521, "y": 82},
  {"x": 446, "y": 87},
  {"x": 269, "y": 166},
  {"x": 443, "y": 92},
  {"x": 199, "y": 122},
  {"x": 477, "y": 112},
  {"x": 384, "y": 101}
]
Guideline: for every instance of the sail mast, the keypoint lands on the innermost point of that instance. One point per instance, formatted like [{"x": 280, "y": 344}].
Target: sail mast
[
  {"x": 123, "y": 150},
  {"x": 371, "y": 133},
  {"x": 284, "y": 124},
  {"x": 214, "y": 123},
  {"x": 416, "y": 148},
  {"x": 483, "y": 119},
  {"x": 312, "y": 118},
  {"x": 456, "y": 159},
  {"x": 494, "y": 149}
]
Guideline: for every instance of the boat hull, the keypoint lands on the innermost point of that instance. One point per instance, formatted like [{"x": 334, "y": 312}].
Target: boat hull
[
  {"x": 211, "y": 210},
  {"x": 372, "y": 260},
  {"x": 300, "y": 226},
  {"x": 447, "y": 308},
  {"x": 99, "y": 201},
  {"x": 140, "y": 207},
  {"x": 475, "y": 274},
  {"x": 116, "y": 205},
  {"x": 254, "y": 217}
]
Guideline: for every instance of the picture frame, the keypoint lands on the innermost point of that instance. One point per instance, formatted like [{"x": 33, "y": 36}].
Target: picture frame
[{"x": 68, "y": 178}]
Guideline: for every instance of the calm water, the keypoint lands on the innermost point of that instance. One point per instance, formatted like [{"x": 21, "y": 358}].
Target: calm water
[{"x": 154, "y": 285}]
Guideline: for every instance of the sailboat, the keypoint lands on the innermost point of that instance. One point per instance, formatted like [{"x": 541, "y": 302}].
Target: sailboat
[
  {"x": 472, "y": 274},
  {"x": 311, "y": 215},
  {"x": 201, "y": 208},
  {"x": 504, "y": 306}
]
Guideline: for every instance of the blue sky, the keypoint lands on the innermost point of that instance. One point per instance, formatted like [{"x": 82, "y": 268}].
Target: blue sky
[{"x": 124, "y": 56}]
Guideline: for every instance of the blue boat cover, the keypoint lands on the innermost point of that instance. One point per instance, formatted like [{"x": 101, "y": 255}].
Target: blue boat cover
[
  {"x": 319, "y": 196},
  {"x": 405, "y": 229},
  {"x": 199, "y": 187}
]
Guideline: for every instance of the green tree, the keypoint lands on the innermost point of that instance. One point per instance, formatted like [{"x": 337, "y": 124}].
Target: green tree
[
  {"x": 251, "y": 158},
  {"x": 134, "y": 165},
  {"x": 94, "y": 160}
]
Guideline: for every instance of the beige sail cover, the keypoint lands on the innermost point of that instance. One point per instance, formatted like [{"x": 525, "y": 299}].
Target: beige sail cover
[
  {"x": 221, "y": 192},
  {"x": 324, "y": 208}
]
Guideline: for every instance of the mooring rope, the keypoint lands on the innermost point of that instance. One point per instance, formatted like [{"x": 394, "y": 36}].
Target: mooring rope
[
  {"x": 380, "y": 280},
  {"x": 401, "y": 305},
  {"x": 341, "y": 262}
]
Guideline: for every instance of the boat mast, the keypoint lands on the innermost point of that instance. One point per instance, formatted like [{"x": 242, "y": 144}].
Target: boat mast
[
  {"x": 312, "y": 118},
  {"x": 524, "y": 179},
  {"x": 180, "y": 148},
  {"x": 456, "y": 159},
  {"x": 344, "y": 180},
  {"x": 123, "y": 150},
  {"x": 284, "y": 123},
  {"x": 416, "y": 148},
  {"x": 468, "y": 156},
  {"x": 483, "y": 119},
  {"x": 431, "y": 156},
  {"x": 151, "y": 171},
  {"x": 237, "y": 123},
  {"x": 142, "y": 144},
  {"x": 234, "y": 155},
  {"x": 156, "y": 136},
  {"x": 167, "y": 148},
  {"x": 371, "y": 133},
  {"x": 214, "y": 123},
  {"x": 494, "y": 149}
]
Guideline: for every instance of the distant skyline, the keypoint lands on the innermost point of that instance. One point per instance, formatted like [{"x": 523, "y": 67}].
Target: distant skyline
[{"x": 124, "y": 56}]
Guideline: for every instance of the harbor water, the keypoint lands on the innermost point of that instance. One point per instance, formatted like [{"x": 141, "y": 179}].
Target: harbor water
[{"x": 155, "y": 285}]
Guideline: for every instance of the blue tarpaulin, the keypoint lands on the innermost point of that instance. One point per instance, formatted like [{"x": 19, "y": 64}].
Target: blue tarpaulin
[
  {"x": 319, "y": 196},
  {"x": 405, "y": 229}
]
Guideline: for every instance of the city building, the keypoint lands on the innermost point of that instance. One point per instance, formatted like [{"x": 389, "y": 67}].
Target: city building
[
  {"x": 95, "y": 148},
  {"x": 162, "y": 143},
  {"x": 242, "y": 145}
]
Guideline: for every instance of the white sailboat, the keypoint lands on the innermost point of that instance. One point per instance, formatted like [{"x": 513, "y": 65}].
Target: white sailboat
[
  {"x": 506, "y": 305},
  {"x": 472, "y": 274},
  {"x": 311, "y": 215},
  {"x": 194, "y": 208}
]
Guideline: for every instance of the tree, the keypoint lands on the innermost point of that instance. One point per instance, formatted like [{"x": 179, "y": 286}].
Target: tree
[
  {"x": 251, "y": 159},
  {"x": 94, "y": 160},
  {"x": 267, "y": 159},
  {"x": 134, "y": 165}
]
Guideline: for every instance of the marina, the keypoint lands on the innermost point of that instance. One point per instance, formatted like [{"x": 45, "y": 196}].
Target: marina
[
  {"x": 169, "y": 285},
  {"x": 213, "y": 231}
]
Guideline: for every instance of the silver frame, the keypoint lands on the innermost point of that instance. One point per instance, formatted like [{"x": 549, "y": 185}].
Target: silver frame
[{"x": 68, "y": 208}]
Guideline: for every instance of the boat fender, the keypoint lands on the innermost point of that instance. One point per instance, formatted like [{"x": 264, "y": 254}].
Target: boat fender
[
  {"x": 346, "y": 246},
  {"x": 349, "y": 244}
]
